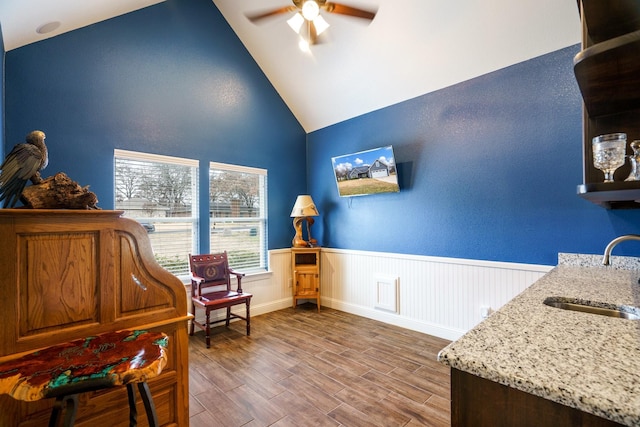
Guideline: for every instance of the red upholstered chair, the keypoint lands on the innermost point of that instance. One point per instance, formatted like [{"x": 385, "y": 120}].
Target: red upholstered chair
[{"x": 211, "y": 290}]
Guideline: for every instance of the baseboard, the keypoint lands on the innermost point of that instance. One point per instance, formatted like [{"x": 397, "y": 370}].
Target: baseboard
[{"x": 395, "y": 319}]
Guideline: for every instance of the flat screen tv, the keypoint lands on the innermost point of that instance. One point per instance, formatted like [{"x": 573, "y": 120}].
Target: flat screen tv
[{"x": 366, "y": 172}]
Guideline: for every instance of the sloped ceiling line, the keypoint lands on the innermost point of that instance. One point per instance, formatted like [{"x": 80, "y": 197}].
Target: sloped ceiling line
[{"x": 411, "y": 48}]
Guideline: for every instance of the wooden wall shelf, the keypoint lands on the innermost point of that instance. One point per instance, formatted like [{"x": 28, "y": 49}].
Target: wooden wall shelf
[
  {"x": 608, "y": 73},
  {"x": 614, "y": 195},
  {"x": 599, "y": 15}
]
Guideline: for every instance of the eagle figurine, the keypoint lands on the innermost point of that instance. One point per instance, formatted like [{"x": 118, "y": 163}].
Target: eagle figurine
[{"x": 22, "y": 164}]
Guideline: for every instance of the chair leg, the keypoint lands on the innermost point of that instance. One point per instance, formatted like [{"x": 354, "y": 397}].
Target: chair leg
[
  {"x": 228, "y": 316},
  {"x": 208, "y": 328},
  {"x": 70, "y": 403},
  {"x": 149, "y": 406},
  {"x": 133, "y": 412},
  {"x": 248, "y": 319}
]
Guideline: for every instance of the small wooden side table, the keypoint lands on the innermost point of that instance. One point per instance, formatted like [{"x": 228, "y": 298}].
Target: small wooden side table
[
  {"x": 305, "y": 264},
  {"x": 63, "y": 371}
]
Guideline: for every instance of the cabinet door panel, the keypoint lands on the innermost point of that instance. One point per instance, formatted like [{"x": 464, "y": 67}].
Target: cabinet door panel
[
  {"x": 58, "y": 280},
  {"x": 306, "y": 283}
]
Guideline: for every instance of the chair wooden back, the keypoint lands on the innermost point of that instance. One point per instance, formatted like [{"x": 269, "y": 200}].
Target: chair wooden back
[{"x": 209, "y": 270}]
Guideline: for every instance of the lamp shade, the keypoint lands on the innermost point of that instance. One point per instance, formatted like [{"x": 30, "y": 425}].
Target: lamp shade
[{"x": 304, "y": 206}]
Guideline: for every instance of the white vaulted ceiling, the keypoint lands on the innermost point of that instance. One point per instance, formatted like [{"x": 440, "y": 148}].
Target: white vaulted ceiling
[{"x": 412, "y": 47}]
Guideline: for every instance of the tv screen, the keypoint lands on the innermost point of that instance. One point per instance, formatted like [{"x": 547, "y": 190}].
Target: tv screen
[{"x": 366, "y": 172}]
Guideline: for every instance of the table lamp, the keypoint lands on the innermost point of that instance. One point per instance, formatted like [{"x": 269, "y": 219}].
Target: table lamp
[{"x": 303, "y": 209}]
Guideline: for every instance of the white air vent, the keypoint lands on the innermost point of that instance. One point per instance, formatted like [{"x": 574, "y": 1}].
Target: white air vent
[{"x": 387, "y": 294}]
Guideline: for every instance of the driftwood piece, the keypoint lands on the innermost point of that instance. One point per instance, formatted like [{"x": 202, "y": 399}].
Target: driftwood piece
[{"x": 59, "y": 192}]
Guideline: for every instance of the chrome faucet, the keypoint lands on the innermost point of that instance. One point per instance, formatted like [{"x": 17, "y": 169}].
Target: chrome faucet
[{"x": 614, "y": 242}]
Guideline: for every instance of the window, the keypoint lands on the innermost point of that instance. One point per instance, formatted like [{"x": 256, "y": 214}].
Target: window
[
  {"x": 160, "y": 192},
  {"x": 238, "y": 211}
]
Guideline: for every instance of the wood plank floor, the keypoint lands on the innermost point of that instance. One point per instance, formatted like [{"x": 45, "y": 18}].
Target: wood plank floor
[{"x": 306, "y": 368}]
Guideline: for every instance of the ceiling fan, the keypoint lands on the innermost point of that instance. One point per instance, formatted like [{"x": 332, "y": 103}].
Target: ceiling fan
[{"x": 308, "y": 12}]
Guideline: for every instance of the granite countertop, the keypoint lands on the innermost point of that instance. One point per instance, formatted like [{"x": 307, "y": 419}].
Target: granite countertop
[{"x": 582, "y": 360}]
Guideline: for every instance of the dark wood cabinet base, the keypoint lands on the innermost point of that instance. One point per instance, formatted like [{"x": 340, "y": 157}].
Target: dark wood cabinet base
[{"x": 477, "y": 402}]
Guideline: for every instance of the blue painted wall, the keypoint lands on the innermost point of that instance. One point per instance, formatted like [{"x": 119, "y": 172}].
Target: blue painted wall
[
  {"x": 170, "y": 79},
  {"x": 488, "y": 170}
]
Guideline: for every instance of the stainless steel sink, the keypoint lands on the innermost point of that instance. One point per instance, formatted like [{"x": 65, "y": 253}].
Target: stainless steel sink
[{"x": 603, "y": 309}]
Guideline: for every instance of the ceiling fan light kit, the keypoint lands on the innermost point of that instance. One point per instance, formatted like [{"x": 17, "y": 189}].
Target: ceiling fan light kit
[
  {"x": 308, "y": 11},
  {"x": 295, "y": 22},
  {"x": 320, "y": 24}
]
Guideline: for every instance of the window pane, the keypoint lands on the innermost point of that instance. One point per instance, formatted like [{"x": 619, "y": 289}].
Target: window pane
[
  {"x": 237, "y": 206},
  {"x": 161, "y": 193}
]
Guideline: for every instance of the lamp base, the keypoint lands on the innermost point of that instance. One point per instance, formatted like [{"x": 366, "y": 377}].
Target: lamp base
[
  {"x": 298, "y": 240},
  {"x": 299, "y": 243}
]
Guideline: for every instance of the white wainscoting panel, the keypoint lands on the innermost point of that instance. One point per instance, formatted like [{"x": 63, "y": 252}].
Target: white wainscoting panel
[{"x": 438, "y": 296}]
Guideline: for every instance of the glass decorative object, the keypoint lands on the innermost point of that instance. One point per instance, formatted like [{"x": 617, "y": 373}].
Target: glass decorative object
[
  {"x": 634, "y": 159},
  {"x": 609, "y": 153}
]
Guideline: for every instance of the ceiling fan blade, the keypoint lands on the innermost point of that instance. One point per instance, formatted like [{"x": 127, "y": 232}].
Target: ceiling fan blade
[
  {"x": 348, "y": 10},
  {"x": 262, "y": 15}
]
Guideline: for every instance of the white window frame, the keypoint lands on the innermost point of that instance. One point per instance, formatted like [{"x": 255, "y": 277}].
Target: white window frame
[
  {"x": 224, "y": 223},
  {"x": 159, "y": 221}
]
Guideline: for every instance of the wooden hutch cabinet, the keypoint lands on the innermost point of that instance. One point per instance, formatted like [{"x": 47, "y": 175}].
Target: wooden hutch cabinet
[
  {"x": 608, "y": 73},
  {"x": 305, "y": 264},
  {"x": 71, "y": 274}
]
